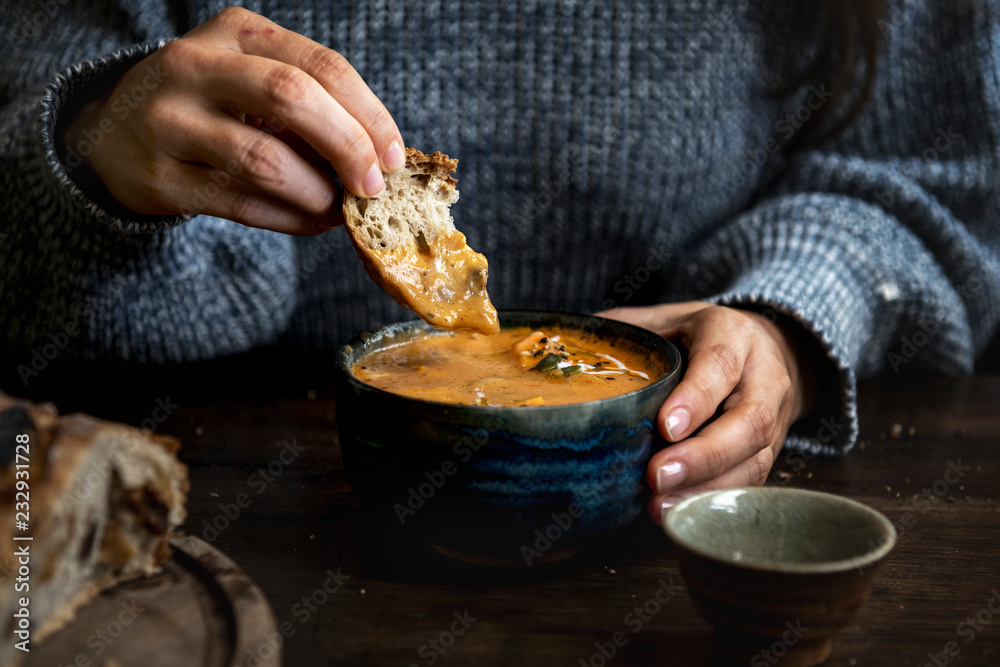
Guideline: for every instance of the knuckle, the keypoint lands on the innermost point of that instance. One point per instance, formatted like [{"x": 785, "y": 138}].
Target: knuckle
[
  {"x": 242, "y": 206},
  {"x": 376, "y": 117},
  {"x": 356, "y": 145},
  {"x": 783, "y": 382},
  {"x": 233, "y": 17},
  {"x": 733, "y": 319},
  {"x": 262, "y": 160},
  {"x": 327, "y": 61},
  {"x": 288, "y": 89},
  {"x": 715, "y": 460},
  {"x": 155, "y": 178},
  {"x": 728, "y": 361},
  {"x": 762, "y": 420},
  {"x": 759, "y": 466},
  {"x": 179, "y": 55},
  {"x": 161, "y": 117}
]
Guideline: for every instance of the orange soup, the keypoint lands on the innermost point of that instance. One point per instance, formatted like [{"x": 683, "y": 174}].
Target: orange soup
[{"x": 516, "y": 367}]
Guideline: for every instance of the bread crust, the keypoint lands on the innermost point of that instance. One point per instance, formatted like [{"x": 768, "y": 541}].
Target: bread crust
[{"x": 437, "y": 163}]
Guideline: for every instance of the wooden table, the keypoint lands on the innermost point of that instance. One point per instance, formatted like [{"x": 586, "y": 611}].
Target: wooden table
[{"x": 268, "y": 488}]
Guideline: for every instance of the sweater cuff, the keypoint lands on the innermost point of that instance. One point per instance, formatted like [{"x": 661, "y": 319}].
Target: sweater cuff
[
  {"x": 63, "y": 162},
  {"x": 832, "y": 426}
]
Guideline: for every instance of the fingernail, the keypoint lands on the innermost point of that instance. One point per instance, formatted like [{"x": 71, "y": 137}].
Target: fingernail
[
  {"x": 665, "y": 506},
  {"x": 677, "y": 423},
  {"x": 373, "y": 183},
  {"x": 394, "y": 158},
  {"x": 669, "y": 476}
]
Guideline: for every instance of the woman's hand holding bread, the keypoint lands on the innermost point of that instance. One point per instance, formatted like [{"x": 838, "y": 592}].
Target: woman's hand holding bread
[{"x": 243, "y": 122}]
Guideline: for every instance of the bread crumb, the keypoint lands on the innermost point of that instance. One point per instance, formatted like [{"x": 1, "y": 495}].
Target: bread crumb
[
  {"x": 809, "y": 475},
  {"x": 906, "y": 480},
  {"x": 612, "y": 572},
  {"x": 897, "y": 494},
  {"x": 911, "y": 431},
  {"x": 888, "y": 489},
  {"x": 312, "y": 537},
  {"x": 782, "y": 476},
  {"x": 897, "y": 430},
  {"x": 362, "y": 591},
  {"x": 213, "y": 494}
]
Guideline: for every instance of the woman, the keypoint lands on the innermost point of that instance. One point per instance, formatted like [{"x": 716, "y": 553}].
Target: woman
[{"x": 803, "y": 196}]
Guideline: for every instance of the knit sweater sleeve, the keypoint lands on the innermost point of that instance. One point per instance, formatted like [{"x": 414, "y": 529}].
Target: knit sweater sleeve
[
  {"x": 885, "y": 243},
  {"x": 80, "y": 278}
]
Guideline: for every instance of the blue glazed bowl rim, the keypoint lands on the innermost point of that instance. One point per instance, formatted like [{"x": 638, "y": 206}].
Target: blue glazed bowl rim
[{"x": 373, "y": 335}]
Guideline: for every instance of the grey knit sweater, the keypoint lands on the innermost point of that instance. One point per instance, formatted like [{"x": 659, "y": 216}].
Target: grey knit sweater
[{"x": 610, "y": 154}]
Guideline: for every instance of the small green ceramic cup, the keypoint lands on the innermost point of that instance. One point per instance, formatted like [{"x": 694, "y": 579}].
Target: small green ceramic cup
[{"x": 777, "y": 571}]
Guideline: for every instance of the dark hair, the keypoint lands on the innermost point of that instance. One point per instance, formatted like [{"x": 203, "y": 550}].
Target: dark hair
[{"x": 849, "y": 45}]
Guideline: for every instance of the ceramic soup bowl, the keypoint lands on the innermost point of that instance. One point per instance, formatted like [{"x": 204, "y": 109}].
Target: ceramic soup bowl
[{"x": 506, "y": 486}]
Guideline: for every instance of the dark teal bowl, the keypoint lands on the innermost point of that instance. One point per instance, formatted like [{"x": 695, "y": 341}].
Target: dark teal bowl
[{"x": 498, "y": 485}]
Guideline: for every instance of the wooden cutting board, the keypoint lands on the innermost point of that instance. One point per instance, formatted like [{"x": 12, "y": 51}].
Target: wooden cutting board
[{"x": 200, "y": 611}]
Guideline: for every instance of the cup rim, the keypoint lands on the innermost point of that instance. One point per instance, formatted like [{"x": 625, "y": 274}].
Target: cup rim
[
  {"x": 343, "y": 368},
  {"x": 823, "y": 567}
]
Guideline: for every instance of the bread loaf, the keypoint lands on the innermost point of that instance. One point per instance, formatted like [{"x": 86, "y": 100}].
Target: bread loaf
[{"x": 84, "y": 504}]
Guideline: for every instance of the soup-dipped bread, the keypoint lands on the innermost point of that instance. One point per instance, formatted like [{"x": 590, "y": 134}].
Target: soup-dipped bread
[{"x": 410, "y": 247}]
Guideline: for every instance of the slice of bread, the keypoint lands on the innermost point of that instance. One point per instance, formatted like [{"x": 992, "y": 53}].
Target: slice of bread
[{"x": 409, "y": 245}]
